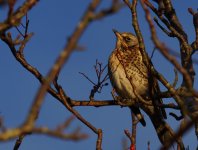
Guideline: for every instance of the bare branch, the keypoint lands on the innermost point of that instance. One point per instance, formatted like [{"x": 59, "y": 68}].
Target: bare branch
[
  {"x": 114, "y": 8},
  {"x": 127, "y": 133},
  {"x": 164, "y": 51},
  {"x": 65, "y": 100},
  {"x": 134, "y": 130},
  {"x": 87, "y": 78},
  {"x": 170, "y": 34},
  {"x": 75, "y": 136},
  {"x": 153, "y": 52},
  {"x": 66, "y": 124},
  {"x": 175, "y": 27},
  {"x": 99, "y": 140},
  {"x": 173, "y": 30},
  {"x": 176, "y": 78},
  {"x": 194, "y": 45},
  {"x": 148, "y": 143},
  {"x": 2, "y": 127},
  {"x": 29, "y": 123},
  {"x": 172, "y": 17},
  {"x": 100, "y": 83},
  {"x": 59, "y": 64},
  {"x": 14, "y": 18}
]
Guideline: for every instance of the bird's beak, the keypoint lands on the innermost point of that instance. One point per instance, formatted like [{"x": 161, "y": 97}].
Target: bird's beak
[{"x": 118, "y": 35}]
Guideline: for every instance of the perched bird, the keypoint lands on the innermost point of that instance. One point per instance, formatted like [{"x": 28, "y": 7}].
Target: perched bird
[{"x": 131, "y": 80}]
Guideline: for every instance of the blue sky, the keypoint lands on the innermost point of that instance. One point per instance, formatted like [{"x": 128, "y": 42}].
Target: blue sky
[{"x": 52, "y": 23}]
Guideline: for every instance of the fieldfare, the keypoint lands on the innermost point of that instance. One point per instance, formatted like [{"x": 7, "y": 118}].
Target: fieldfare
[{"x": 131, "y": 80}]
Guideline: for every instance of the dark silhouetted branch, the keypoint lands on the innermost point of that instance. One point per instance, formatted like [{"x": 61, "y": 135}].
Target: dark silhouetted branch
[
  {"x": 100, "y": 83},
  {"x": 194, "y": 45},
  {"x": 18, "y": 142},
  {"x": 175, "y": 116}
]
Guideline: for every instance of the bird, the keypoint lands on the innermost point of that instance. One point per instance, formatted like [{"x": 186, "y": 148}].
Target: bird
[{"x": 132, "y": 81}]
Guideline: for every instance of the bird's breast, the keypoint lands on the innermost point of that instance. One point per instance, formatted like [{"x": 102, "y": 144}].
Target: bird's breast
[{"x": 126, "y": 78}]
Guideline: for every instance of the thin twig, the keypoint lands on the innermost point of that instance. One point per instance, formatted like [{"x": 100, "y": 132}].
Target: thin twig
[
  {"x": 11, "y": 4},
  {"x": 115, "y": 7},
  {"x": 175, "y": 116},
  {"x": 194, "y": 45},
  {"x": 66, "y": 124},
  {"x": 74, "y": 136},
  {"x": 148, "y": 144},
  {"x": 87, "y": 78},
  {"x": 100, "y": 83},
  {"x": 99, "y": 140},
  {"x": 172, "y": 17},
  {"x": 176, "y": 78},
  {"x": 134, "y": 130},
  {"x": 18, "y": 142},
  {"x": 170, "y": 34},
  {"x": 153, "y": 51},
  {"x": 16, "y": 17},
  {"x": 2, "y": 127},
  {"x": 135, "y": 25},
  {"x": 132, "y": 137}
]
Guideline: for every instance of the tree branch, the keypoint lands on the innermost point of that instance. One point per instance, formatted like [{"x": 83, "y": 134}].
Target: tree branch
[
  {"x": 194, "y": 45},
  {"x": 15, "y": 18}
]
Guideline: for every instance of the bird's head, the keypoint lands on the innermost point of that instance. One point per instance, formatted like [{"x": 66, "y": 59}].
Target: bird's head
[{"x": 125, "y": 40}]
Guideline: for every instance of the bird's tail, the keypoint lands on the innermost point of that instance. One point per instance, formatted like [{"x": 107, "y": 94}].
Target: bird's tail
[{"x": 136, "y": 111}]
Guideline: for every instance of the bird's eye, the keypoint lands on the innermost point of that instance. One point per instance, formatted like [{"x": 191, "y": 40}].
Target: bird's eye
[{"x": 127, "y": 39}]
